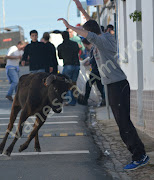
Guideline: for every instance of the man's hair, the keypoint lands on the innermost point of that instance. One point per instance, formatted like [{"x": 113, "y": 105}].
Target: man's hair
[
  {"x": 65, "y": 35},
  {"x": 102, "y": 28},
  {"x": 110, "y": 26},
  {"x": 33, "y": 31},
  {"x": 85, "y": 41},
  {"x": 46, "y": 36},
  {"x": 92, "y": 26},
  {"x": 22, "y": 43}
]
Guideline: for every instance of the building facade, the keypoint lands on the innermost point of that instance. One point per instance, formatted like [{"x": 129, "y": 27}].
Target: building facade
[{"x": 136, "y": 55}]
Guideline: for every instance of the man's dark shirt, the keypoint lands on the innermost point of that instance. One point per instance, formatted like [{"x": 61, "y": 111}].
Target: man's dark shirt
[
  {"x": 52, "y": 55},
  {"x": 93, "y": 63},
  {"x": 37, "y": 55},
  {"x": 68, "y": 51}
]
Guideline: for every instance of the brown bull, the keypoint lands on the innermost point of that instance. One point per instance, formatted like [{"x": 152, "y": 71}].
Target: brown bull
[{"x": 37, "y": 94}]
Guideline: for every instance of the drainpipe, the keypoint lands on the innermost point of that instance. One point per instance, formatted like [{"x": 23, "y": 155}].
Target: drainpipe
[
  {"x": 68, "y": 10},
  {"x": 139, "y": 68}
]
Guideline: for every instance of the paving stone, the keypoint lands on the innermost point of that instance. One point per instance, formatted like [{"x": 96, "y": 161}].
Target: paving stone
[{"x": 106, "y": 134}]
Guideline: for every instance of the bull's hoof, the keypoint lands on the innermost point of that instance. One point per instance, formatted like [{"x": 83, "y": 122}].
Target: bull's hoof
[
  {"x": 1, "y": 148},
  {"x": 37, "y": 149},
  {"x": 22, "y": 147},
  {"x": 1, "y": 151},
  {"x": 8, "y": 153}
]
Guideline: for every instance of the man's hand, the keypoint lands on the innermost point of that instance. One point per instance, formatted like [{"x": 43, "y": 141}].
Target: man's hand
[
  {"x": 80, "y": 8},
  {"x": 64, "y": 21},
  {"x": 23, "y": 63},
  {"x": 78, "y": 4},
  {"x": 87, "y": 63},
  {"x": 19, "y": 57},
  {"x": 81, "y": 32},
  {"x": 50, "y": 69}
]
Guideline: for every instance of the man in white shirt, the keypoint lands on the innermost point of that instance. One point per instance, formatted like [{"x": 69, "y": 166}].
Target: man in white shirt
[{"x": 12, "y": 67}]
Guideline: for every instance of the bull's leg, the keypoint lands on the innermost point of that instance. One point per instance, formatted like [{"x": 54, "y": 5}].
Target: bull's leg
[
  {"x": 14, "y": 112},
  {"x": 34, "y": 132},
  {"x": 37, "y": 144},
  {"x": 24, "y": 115}
]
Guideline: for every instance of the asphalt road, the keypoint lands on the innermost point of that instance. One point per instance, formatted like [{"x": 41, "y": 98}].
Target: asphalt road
[{"x": 68, "y": 151}]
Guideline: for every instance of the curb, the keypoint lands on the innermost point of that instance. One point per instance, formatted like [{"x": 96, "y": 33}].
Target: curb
[{"x": 110, "y": 163}]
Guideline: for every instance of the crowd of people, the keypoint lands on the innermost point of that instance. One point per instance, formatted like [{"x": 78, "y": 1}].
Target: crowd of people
[{"x": 101, "y": 47}]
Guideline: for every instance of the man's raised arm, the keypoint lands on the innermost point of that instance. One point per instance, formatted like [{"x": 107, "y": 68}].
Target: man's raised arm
[
  {"x": 80, "y": 8},
  {"x": 79, "y": 31}
]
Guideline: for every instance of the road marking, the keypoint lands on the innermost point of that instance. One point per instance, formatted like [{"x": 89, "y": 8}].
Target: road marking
[
  {"x": 63, "y": 134},
  {"x": 49, "y": 116},
  {"x": 49, "y": 153},
  {"x": 47, "y": 123},
  {"x": 47, "y": 135},
  {"x": 4, "y": 80},
  {"x": 3, "y": 86},
  {"x": 79, "y": 134}
]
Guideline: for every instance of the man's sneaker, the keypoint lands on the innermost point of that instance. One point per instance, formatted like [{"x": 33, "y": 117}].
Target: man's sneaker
[
  {"x": 136, "y": 164},
  {"x": 9, "y": 97}
]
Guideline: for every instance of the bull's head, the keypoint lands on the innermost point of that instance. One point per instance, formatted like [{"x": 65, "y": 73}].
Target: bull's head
[{"x": 58, "y": 85}]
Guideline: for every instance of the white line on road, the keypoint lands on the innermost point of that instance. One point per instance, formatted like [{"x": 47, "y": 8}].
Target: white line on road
[
  {"x": 33, "y": 117},
  {"x": 49, "y": 153},
  {"x": 47, "y": 123}
]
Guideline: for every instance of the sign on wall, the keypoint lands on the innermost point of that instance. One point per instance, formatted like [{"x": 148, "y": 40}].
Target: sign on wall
[{"x": 95, "y": 2}]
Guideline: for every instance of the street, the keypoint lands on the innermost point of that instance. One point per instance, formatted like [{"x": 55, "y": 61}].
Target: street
[{"x": 68, "y": 151}]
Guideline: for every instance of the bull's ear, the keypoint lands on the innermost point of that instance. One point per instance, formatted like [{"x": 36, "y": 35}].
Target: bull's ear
[{"x": 49, "y": 79}]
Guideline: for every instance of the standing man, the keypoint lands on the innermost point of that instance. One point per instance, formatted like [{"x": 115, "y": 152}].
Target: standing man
[
  {"x": 94, "y": 75},
  {"x": 68, "y": 51},
  {"x": 37, "y": 55},
  {"x": 52, "y": 54},
  {"x": 12, "y": 67},
  {"x": 105, "y": 52}
]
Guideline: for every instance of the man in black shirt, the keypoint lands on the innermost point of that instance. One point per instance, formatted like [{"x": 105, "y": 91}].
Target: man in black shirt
[
  {"x": 94, "y": 76},
  {"x": 37, "y": 54},
  {"x": 68, "y": 51},
  {"x": 52, "y": 54}
]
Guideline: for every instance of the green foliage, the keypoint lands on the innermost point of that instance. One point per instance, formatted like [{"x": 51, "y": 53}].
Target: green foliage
[{"x": 136, "y": 15}]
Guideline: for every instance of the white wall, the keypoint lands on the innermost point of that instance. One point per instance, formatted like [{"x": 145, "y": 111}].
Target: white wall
[
  {"x": 129, "y": 68},
  {"x": 107, "y": 17},
  {"x": 147, "y": 39}
]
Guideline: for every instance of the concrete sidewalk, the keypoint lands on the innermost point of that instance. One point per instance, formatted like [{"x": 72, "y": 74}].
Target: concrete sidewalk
[{"x": 115, "y": 152}]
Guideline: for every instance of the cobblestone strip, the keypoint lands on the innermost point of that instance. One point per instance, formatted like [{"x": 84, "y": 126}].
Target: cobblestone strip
[{"x": 106, "y": 136}]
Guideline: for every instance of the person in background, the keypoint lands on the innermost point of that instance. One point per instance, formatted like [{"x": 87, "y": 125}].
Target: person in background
[
  {"x": 77, "y": 39},
  {"x": 37, "y": 54},
  {"x": 68, "y": 51},
  {"x": 52, "y": 54},
  {"x": 105, "y": 53},
  {"x": 13, "y": 58},
  {"x": 110, "y": 29},
  {"x": 93, "y": 77},
  {"x": 102, "y": 28}
]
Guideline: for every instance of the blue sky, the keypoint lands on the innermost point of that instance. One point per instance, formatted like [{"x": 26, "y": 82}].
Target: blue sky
[{"x": 41, "y": 15}]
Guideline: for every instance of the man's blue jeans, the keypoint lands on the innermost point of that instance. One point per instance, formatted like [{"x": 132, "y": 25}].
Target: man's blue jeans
[
  {"x": 13, "y": 75},
  {"x": 37, "y": 71},
  {"x": 72, "y": 72}
]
